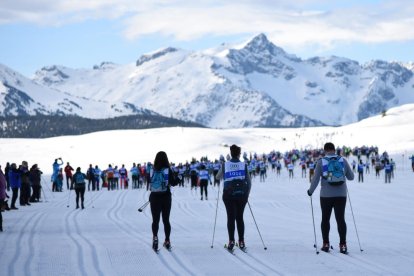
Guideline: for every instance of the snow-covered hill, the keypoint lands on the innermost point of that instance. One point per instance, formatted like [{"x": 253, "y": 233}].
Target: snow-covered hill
[
  {"x": 391, "y": 133},
  {"x": 254, "y": 84}
]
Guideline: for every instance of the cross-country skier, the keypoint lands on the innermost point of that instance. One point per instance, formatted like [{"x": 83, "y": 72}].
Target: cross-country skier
[
  {"x": 332, "y": 171},
  {"x": 134, "y": 174},
  {"x": 90, "y": 174},
  {"x": 68, "y": 173},
  {"x": 161, "y": 178},
  {"x": 360, "y": 171},
  {"x": 204, "y": 179},
  {"x": 236, "y": 191},
  {"x": 388, "y": 170},
  {"x": 290, "y": 167},
  {"x": 96, "y": 176},
  {"x": 80, "y": 186},
  {"x": 123, "y": 177}
]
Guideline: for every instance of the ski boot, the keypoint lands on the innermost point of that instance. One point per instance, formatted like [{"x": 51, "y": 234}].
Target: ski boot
[
  {"x": 155, "y": 244},
  {"x": 325, "y": 247},
  {"x": 167, "y": 245},
  {"x": 242, "y": 245},
  {"x": 230, "y": 246},
  {"x": 343, "y": 248}
]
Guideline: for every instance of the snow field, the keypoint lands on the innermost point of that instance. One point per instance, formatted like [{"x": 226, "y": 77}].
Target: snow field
[{"x": 110, "y": 237}]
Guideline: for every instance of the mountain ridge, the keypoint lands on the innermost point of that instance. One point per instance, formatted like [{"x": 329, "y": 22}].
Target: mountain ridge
[{"x": 249, "y": 85}]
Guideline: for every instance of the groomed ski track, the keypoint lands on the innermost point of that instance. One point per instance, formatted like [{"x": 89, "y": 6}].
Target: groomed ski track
[{"x": 110, "y": 237}]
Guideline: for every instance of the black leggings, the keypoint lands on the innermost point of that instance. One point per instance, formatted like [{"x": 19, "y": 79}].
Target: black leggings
[
  {"x": 14, "y": 196},
  {"x": 161, "y": 205},
  {"x": 203, "y": 186},
  {"x": 235, "y": 210},
  {"x": 338, "y": 204},
  {"x": 80, "y": 192}
]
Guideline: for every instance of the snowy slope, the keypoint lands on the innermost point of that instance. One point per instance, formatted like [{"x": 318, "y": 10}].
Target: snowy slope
[
  {"x": 110, "y": 237},
  {"x": 254, "y": 84},
  {"x": 391, "y": 133},
  {"x": 22, "y": 96}
]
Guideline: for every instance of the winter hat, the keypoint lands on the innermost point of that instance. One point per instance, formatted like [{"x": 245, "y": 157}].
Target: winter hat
[
  {"x": 78, "y": 169},
  {"x": 24, "y": 163}
]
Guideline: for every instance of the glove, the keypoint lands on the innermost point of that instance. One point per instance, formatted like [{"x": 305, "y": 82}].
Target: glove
[{"x": 309, "y": 193}]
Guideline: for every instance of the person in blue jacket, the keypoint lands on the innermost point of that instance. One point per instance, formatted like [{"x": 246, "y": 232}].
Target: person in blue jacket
[
  {"x": 14, "y": 178},
  {"x": 56, "y": 166}
]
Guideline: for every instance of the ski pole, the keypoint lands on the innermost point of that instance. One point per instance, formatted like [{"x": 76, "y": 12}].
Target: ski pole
[
  {"x": 314, "y": 230},
  {"x": 68, "y": 198},
  {"x": 215, "y": 219},
  {"x": 143, "y": 206},
  {"x": 50, "y": 191},
  {"x": 91, "y": 196},
  {"x": 44, "y": 194},
  {"x": 353, "y": 217},
  {"x": 264, "y": 246}
]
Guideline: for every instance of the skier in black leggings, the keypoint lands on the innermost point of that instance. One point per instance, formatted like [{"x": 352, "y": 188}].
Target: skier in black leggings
[
  {"x": 332, "y": 171},
  {"x": 236, "y": 191},
  {"x": 80, "y": 186},
  {"x": 161, "y": 179}
]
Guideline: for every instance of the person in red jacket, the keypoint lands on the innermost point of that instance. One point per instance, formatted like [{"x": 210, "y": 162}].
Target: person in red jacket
[{"x": 69, "y": 176}]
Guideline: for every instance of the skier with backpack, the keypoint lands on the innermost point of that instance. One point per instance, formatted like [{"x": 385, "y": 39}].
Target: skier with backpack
[
  {"x": 388, "y": 170},
  {"x": 361, "y": 171},
  {"x": 236, "y": 191},
  {"x": 80, "y": 186},
  {"x": 332, "y": 171},
  {"x": 204, "y": 178},
  {"x": 161, "y": 179}
]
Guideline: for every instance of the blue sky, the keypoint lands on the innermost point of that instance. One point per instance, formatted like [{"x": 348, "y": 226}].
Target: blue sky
[{"x": 81, "y": 33}]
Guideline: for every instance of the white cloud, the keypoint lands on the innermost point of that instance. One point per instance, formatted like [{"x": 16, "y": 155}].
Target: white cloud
[{"x": 287, "y": 24}]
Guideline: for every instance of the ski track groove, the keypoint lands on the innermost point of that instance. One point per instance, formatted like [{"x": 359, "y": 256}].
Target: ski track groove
[
  {"x": 93, "y": 250},
  {"x": 371, "y": 264},
  {"x": 39, "y": 213},
  {"x": 263, "y": 264},
  {"x": 240, "y": 260},
  {"x": 29, "y": 260},
  {"x": 112, "y": 216},
  {"x": 80, "y": 251},
  {"x": 19, "y": 246},
  {"x": 117, "y": 216},
  {"x": 372, "y": 268}
]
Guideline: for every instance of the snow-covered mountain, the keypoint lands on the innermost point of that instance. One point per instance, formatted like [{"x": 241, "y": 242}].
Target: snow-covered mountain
[
  {"x": 254, "y": 84},
  {"x": 22, "y": 96}
]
